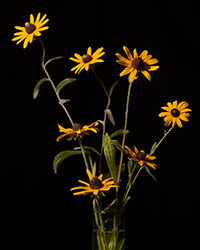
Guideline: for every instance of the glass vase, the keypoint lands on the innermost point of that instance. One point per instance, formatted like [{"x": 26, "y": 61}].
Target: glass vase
[{"x": 108, "y": 230}]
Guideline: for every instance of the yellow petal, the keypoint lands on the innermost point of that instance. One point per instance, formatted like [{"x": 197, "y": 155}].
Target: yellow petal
[
  {"x": 152, "y": 61},
  {"x": 90, "y": 176},
  {"x": 163, "y": 114},
  {"x": 146, "y": 74},
  {"x": 179, "y": 123},
  {"x": 143, "y": 54},
  {"x": 89, "y": 51},
  {"x": 128, "y": 53},
  {"x": 135, "y": 54},
  {"x": 132, "y": 75},
  {"x": 152, "y": 68},
  {"x": 126, "y": 71},
  {"x": 31, "y": 19}
]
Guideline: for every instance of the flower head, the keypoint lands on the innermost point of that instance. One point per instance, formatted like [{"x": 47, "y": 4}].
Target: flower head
[
  {"x": 87, "y": 59},
  {"x": 31, "y": 29},
  {"x": 175, "y": 112},
  {"x": 141, "y": 157},
  {"x": 77, "y": 131},
  {"x": 136, "y": 63},
  {"x": 96, "y": 184}
]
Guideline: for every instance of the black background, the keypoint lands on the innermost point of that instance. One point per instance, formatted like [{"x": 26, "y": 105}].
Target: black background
[{"x": 39, "y": 210}]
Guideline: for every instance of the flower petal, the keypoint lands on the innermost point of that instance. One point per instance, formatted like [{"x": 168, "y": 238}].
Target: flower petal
[
  {"x": 132, "y": 75},
  {"x": 90, "y": 176},
  {"x": 128, "y": 53},
  {"x": 146, "y": 74},
  {"x": 143, "y": 54},
  {"x": 126, "y": 71}
]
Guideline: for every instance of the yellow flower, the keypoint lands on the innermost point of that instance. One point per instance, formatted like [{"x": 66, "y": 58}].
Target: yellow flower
[
  {"x": 175, "y": 112},
  {"x": 30, "y": 30},
  {"x": 141, "y": 157},
  {"x": 96, "y": 184},
  {"x": 87, "y": 59},
  {"x": 134, "y": 64},
  {"x": 77, "y": 131}
]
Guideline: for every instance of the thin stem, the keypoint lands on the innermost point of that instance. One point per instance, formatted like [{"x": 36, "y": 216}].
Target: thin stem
[
  {"x": 164, "y": 137},
  {"x": 99, "y": 222},
  {"x": 83, "y": 153},
  {"x": 130, "y": 185},
  {"x": 125, "y": 128},
  {"x": 52, "y": 83},
  {"x": 120, "y": 166},
  {"x": 157, "y": 144},
  {"x": 105, "y": 115}
]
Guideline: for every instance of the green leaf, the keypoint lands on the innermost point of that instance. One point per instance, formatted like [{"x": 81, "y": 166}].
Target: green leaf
[
  {"x": 61, "y": 156},
  {"x": 52, "y": 59},
  {"x": 62, "y": 101},
  {"x": 118, "y": 132},
  {"x": 88, "y": 148},
  {"x": 153, "y": 148},
  {"x": 37, "y": 87},
  {"x": 110, "y": 116},
  {"x": 121, "y": 244},
  {"x": 101, "y": 122},
  {"x": 148, "y": 171},
  {"x": 64, "y": 83},
  {"x": 110, "y": 153},
  {"x": 112, "y": 87}
]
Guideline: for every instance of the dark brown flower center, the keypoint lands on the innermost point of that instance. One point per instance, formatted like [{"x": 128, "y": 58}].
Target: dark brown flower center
[
  {"x": 76, "y": 126},
  {"x": 86, "y": 58},
  {"x": 137, "y": 63},
  {"x": 95, "y": 183},
  {"x": 140, "y": 156},
  {"x": 175, "y": 112},
  {"x": 30, "y": 28}
]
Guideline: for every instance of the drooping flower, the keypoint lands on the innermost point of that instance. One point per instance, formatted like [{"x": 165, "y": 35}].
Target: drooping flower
[
  {"x": 95, "y": 185},
  {"x": 141, "y": 157},
  {"x": 31, "y": 29},
  {"x": 86, "y": 60},
  {"x": 77, "y": 131},
  {"x": 175, "y": 112},
  {"x": 136, "y": 63}
]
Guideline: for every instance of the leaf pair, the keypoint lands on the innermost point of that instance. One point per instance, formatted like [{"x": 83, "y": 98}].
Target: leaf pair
[{"x": 59, "y": 87}]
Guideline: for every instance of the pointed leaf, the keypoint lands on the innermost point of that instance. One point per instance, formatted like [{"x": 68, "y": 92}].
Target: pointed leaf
[
  {"x": 110, "y": 116},
  {"x": 118, "y": 132},
  {"x": 64, "y": 83},
  {"x": 112, "y": 87},
  {"x": 153, "y": 148},
  {"x": 88, "y": 148},
  {"x": 62, "y": 101},
  {"x": 52, "y": 59},
  {"x": 110, "y": 152},
  {"x": 61, "y": 156},
  {"x": 37, "y": 87},
  {"x": 148, "y": 171}
]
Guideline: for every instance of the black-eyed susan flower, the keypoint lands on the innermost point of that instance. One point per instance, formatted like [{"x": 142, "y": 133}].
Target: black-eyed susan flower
[
  {"x": 31, "y": 29},
  {"x": 137, "y": 63},
  {"x": 77, "y": 131},
  {"x": 175, "y": 112},
  {"x": 96, "y": 184},
  {"x": 141, "y": 157},
  {"x": 86, "y": 60}
]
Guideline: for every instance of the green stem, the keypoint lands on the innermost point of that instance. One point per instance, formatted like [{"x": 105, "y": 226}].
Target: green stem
[
  {"x": 157, "y": 144},
  {"x": 52, "y": 83},
  {"x": 130, "y": 184},
  {"x": 105, "y": 115},
  {"x": 125, "y": 128},
  {"x": 83, "y": 153},
  {"x": 120, "y": 167},
  {"x": 101, "y": 235}
]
